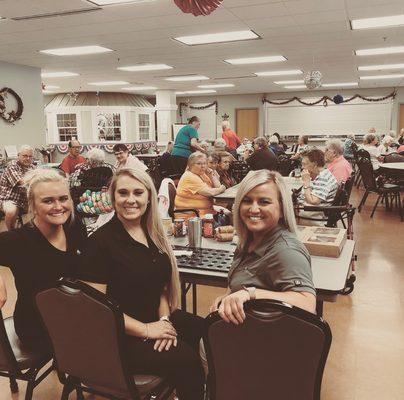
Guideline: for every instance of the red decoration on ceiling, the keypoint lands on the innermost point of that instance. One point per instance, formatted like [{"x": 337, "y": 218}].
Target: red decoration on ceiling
[{"x": 198, "y": 7}]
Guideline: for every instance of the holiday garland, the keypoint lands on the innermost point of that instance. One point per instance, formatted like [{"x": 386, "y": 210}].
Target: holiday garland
[
  {"x": 200, "y": 107},
  {"x": 109, "y": 148},
  {"x": 325, "y": 100},
  {"x": 11, "y": 116}
]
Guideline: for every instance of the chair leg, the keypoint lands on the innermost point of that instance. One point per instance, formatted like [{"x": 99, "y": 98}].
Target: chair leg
[
  {"x": 374, "y": 208},
  {"x": 30, "y": 389},
  {"x": 400, "y": 208},
  {"x": 362, "y": 203},
  {"x": 13, "y": 385},
  {"x": 80, "y": 395},
  {"x": 66, "y": 391}
]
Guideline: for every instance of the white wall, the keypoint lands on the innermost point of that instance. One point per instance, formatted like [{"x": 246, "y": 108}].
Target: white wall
[{"x": 26, "y": 81}]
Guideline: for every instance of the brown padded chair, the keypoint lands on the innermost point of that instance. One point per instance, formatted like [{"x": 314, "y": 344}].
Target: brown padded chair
[
  {"x": 278, "y": 353},
  {"x": 18, "y": 362},
  {"x": 87, "y": 332},
  {"x": 172, "y": 191}
]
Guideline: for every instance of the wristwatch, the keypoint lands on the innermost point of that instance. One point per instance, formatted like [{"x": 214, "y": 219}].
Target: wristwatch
[
  {"x": 306, "y": 187},
  {"x": 251, "y": 291},
  {"x": 165, "y": 318}
]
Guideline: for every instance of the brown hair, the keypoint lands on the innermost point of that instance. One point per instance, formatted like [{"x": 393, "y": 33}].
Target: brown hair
[{"x": 315, "y": 156}]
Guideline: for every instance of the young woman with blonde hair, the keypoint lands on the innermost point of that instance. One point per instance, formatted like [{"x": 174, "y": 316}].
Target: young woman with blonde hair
[{"x": 131, "y": 259}]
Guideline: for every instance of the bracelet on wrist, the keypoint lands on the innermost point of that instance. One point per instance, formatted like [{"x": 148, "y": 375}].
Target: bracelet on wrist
[{"x": 145, "y": 339}]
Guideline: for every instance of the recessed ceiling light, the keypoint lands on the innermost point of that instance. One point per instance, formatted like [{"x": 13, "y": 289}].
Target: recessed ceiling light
[
  {"x": 140, "y": 88},
  {"x": 390, "y": 76},
  {"x": 109, "y": 83},
  {"x": 340, "y": 84},
  {"x": 279, "y": 73},
  {"x": 296, "y": 87},
  {"x": 380, "y": 67},
  {"x": 2, "y": 18},
  {"x": 47, "y": 87},
  {"x": 196, "y": 92},
  {"x": 379, "y": 22},
  {"x": 289, "y": 82},
  {"x": 48, "y": 92},
  {"x": 216, "y": 86},
  {"x": 145, "y": 67},
  {"x": 112, "y": 2},
  {"x": 61, "y": 74},
  {"x": 217, "y": 37},
  {"x": 76, "y": 51},
  {"x": 186, "y": 78},
  {"x": 381, "y": 50},
  {"x": 255, "y": 60}
]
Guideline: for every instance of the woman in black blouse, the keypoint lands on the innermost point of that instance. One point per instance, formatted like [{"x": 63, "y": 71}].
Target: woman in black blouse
[
  {"x": 40, "y": 252},
  {"x": 131, "y": 259}
]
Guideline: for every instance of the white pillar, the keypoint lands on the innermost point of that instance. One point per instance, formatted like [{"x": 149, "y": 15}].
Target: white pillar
[{"x": 166, "y": 109}]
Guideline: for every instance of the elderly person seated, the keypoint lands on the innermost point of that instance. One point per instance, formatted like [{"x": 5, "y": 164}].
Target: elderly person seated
[
  {"x": 13, "y": 195},
  {"x": 348, "y": 147},
  {"x": 126, "y": 160},
  {"x": 246, "y": 145},
  {"x": 370, "y": 142},
  {"x": 387, "y": 146},
  {"x": 197, "y": 186},
  {"x": 270, "y": 262},
  {"x": 303, "y": 146},
  {"x": 337, "y": 164},
  {"x": 262, "y": 157},
  {"x": 223, "y": 169},
  {"x": 95, "y": 158},
  {"x": 275, "y": 146},
  {"x": 213, "y": 162},
  {"x": 319, "y": 185},
  {"x": 231, "y": 138}
]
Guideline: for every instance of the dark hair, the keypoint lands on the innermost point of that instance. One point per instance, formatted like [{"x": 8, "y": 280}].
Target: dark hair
[
  {"x": 215, "y": 157},
  {"x": 305, "y": 139},
  {"x": 193, "y": 119},
  {"x": 316, "y": 156},
  {"x": 277, "y": 135},
  {"x": 120, "y": 147},
  {"x": 223, "y": 154}
]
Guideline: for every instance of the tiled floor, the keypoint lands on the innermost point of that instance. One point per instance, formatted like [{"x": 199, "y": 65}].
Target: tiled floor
[{"x": 367, "y": 353}]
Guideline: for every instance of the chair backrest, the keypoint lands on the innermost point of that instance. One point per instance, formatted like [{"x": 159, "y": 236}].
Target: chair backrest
[
  {"x": 87, "y": 333},
  {"x": 96, "y": 177},
  {"x": 279, "y": 352},
  {"x": 362, "y": 153},
  {"x": 172, "y": 191},
  {"x": 284, "y": 165},
  {"x": 239, "y": 169},
  {"x": 366, "y": 170},
  {"x": 349, "y": 185},
  {"x": 8, "y": 363}
]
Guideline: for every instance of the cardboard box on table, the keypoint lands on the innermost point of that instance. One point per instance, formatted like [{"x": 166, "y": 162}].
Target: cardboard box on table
[{"x": 322, "y": 241}]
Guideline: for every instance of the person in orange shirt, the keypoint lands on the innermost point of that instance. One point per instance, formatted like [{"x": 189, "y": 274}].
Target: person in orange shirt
[{"x": 231, "y": 138}]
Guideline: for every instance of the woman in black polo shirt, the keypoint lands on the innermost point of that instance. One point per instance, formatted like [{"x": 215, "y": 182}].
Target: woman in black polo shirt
[
  {"x": 270, "y": 262},
  {"x": 40, "y": 252},
  {"x": 131, "y": 259}
]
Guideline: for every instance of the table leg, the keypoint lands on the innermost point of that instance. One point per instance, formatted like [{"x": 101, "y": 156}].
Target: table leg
[
  {"x": 194, "y": 299},
  {"x": 319, "y": 308}
]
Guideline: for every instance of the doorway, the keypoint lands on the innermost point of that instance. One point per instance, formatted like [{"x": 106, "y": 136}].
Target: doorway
[{"x": 247, "y": 123}]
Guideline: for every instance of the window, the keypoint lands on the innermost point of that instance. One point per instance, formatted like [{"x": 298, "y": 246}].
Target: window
[
  {"x": 66, "y": 126},
  {"x": 144, "y": 126},
  {"x": 108, "y": 126}
]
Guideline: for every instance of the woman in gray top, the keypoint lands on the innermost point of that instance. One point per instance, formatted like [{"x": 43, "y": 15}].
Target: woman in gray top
[{"x": 270, "y": 262}]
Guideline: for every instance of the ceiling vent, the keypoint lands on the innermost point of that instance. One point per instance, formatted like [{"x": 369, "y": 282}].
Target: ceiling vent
[{"x": 55, "y": 14}]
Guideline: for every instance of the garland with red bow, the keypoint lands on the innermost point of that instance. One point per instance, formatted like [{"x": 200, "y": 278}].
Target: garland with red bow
[{"x": 215, "y": 103}]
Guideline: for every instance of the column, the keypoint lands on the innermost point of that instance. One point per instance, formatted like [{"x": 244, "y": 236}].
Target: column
[{"x": 166, "y": 109}]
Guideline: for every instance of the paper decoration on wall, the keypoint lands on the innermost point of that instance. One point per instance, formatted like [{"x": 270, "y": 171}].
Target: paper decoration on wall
[
  {"x": 12, "y": 115},
  {"x": 198, "y": 7}
]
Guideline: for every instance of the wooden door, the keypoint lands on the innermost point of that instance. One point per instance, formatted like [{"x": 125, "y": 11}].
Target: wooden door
[
  {"x": 247, "y": 123},
  {"x": 401, "y": 118}
]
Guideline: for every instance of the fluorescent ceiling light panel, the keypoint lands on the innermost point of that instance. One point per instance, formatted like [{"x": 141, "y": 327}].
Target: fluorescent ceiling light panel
[
  {"x": 296, "y": 87},
  {"x": 196, "y": 92},
  {"x": 48, "y": 91},
  {"x": 140, "y": 88},
  {"x": 217, "y": 37},
  {"x": 216, "y": 86},
  {"x": 380, "y": 67},
  {"x": 76, "y": 51},
  {"x": 61, "y": 74},
  {"x": 145, "y": 67},
  {"x": 381, "y": 50},
  {"x": 50, "y": 87},
  {"x": 109, "y": 83},
  {"x": 343, "y": 84},
  {"x": 112, "y": 2},
  {"x": 187, "y": 78},
  {"x": 379, "y": 22},
  {"x": 390, "y": 76},
  {"x": 255, "y": 60},
  {"x": 280, "y": 73},
  {"x": 289, "y": 82}
]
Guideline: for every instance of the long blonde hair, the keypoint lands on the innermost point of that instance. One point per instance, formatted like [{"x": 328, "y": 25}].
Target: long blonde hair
[
  {"x": 256, "y": 178},
  {"x": 151, "y": 222}
]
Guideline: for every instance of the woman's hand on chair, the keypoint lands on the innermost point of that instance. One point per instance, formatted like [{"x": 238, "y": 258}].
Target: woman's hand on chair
[
  {"x": 214, "y": 307},
  {"x": 231, "y": 308},
  {"x": 161, "y": 330}
]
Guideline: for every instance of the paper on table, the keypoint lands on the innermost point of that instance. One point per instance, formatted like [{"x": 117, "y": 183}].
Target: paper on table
[{"x": 179, "y": 253}]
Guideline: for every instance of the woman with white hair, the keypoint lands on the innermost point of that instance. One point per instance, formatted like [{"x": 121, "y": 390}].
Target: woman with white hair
[
  {"x": 370, "y": 145},
  {"x": 386, "y": 146},
  {"x": 270, "y": 262},
  {"x": 131, "y": 258},
  {"x": 336, "y": 163},
  {"x": 275, "y": 146},
  {"x": 41, "y": 252}
]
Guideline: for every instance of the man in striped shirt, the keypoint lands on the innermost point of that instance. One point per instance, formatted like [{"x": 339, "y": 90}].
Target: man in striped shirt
[{"x": 319, "y": 184}]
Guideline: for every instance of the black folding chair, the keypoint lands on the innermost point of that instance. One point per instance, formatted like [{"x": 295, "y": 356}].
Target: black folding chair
[
  {"x": 87, "y": 332},
  {"x": 279, "y": 352},
  {"x": 19, "y": 362}
]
